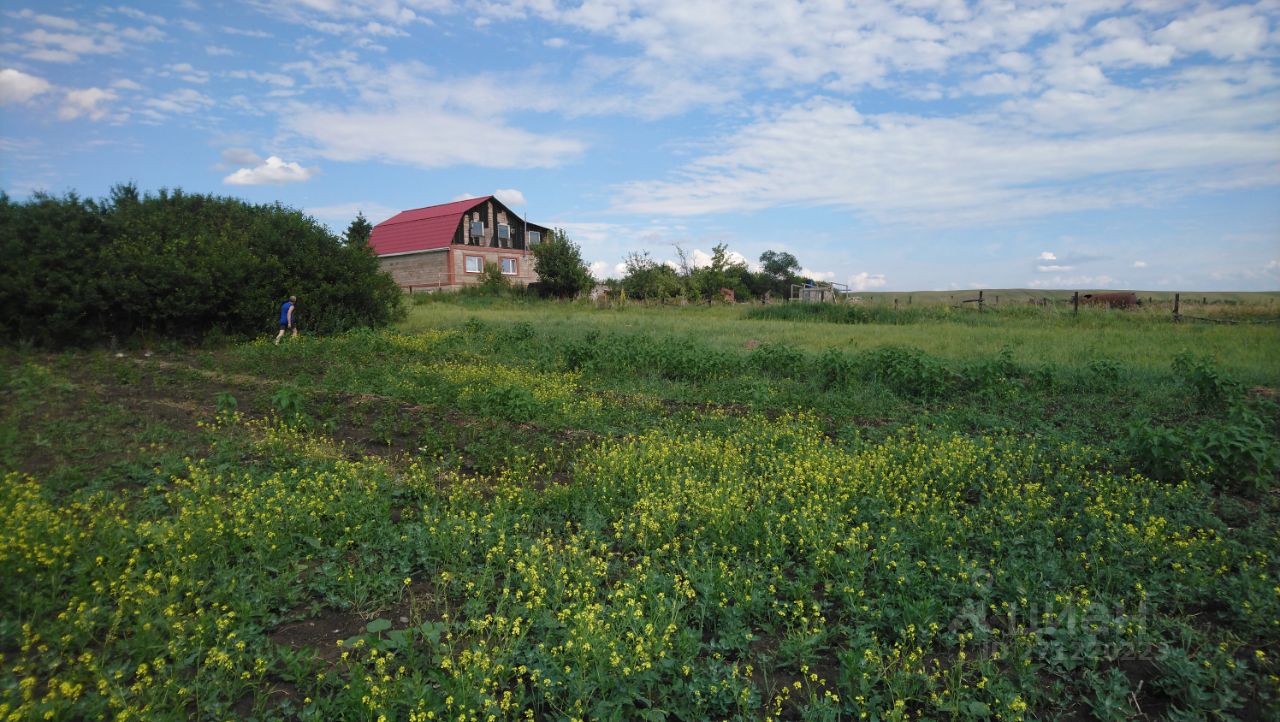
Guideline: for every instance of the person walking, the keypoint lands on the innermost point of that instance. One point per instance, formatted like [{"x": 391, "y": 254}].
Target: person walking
[{"x": 287, "y": 316}]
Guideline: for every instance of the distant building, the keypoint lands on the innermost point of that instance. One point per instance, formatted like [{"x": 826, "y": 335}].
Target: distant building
[{"x": 447, "y": 246}]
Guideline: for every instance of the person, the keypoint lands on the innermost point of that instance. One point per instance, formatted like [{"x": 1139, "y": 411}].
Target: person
[{"x": 288, "y": 318}]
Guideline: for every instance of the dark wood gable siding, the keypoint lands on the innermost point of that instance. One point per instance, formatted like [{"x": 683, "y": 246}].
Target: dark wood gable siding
[{"x": 489, "y": 213}]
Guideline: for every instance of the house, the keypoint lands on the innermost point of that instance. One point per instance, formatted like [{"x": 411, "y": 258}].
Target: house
[{"x": 446, "y": 247}]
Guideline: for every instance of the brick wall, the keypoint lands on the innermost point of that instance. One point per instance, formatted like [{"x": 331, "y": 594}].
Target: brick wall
[
  {"x": 523, "y": 259},
  {"x": 419, "y": 270}
]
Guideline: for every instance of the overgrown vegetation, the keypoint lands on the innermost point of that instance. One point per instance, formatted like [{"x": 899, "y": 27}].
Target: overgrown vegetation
[
  {"x": 554, "y": 511},
  {"x": 137, "y": 268},
  {"x": 560, "y": 268}
]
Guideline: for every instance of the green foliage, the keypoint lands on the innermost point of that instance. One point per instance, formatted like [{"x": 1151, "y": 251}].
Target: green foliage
[
  {"x": 558, "y": 263},
  {"x": 1237, "y": 450},
  {"x": 492, "y": 281},
  {"x": 649, "y": 280},
  {"x": 605, "y": 517},
  {"x": 359, "y": 231},
  {"x": 706, "y": 282},
  {"x": 175, "y": 265},
  {"x": 225, "y": 403},
  {"x": 908, "y": 372},
  {"x": 288, "y": 402},
  {"x": 508, "y": 401},
  {"x": 1214, "y": 388},
  {"x": 778, "y": 360}
]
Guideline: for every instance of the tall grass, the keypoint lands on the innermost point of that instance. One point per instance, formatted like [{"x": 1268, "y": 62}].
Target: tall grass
[{"x": 1141, "y": 341}]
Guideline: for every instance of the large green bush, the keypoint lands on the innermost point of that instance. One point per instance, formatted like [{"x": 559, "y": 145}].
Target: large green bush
[{"x": 176, "y": 265}]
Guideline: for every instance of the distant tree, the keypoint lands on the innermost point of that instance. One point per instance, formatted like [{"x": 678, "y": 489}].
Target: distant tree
[
  {"x": 722, "y": 272},
  {"x": 359, "y": 231},
  {"x": 779, "y": 264},
  {"x": 779, "y": 270},
  {"x": 648, "y": 279},
  {"x": 558, "y": 263}
]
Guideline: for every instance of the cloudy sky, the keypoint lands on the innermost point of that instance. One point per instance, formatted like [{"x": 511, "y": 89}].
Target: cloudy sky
[{"x": 887, "y": 144}]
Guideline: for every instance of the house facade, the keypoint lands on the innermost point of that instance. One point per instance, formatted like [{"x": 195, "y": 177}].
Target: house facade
[{"x": 446, "y": 247}]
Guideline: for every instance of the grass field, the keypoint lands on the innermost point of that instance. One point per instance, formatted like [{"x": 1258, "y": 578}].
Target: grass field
[{"x": 524, "y": 510}]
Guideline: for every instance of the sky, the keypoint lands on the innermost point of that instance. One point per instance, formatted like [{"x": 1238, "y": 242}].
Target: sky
[{"x": 889, "y": 145}]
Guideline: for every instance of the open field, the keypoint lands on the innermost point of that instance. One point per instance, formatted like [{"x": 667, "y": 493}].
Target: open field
[{"x": 510, "y": 510}]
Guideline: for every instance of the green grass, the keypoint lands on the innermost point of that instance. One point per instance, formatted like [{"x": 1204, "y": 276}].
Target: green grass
[
  {"x": 508, "y": 508},
  {"x": 1138, "y": 341}
]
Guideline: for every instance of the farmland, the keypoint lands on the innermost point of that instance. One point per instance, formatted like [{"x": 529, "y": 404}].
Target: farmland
[{"x": 524, "y": 510}]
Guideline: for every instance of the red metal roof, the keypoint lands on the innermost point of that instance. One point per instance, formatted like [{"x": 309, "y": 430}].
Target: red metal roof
[{"x": 421, "y": 229}]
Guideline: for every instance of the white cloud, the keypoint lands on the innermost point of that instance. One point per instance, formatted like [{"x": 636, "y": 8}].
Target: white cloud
[
  {"x": 88, "y": 102},
  {"x": 218, "y": 50},
  {"x": 1047, "y": 256},
  {"x": 865, "y": 281},
  {"x": 1235, "y": 32},
  {"x": 602, "y": 269},
  {"x": 1098, "y": 282},
  {"x": 977, "y": 168},
  {"x": 555, "y": 43},
  {"x": 139, "y": 15},
  {"x": 1053, "y": 268},
  {"x": 18, "y": 87},
  {"x": 822, "y": 275},
  {"x": 240, "y": 157},
  {"x": 259, "y": 34},
  {"x": 51, "y": 21},
  {"x": 510, "y": 196},
  {"x": 273, "y": 171},
  {"x": 177, "y": 102},
  {"x": 340, "y": 215},
  {"x": 126, "y": 84},
  {"x": 1139, "y": 264},
  {"x": 186, "y": 72},
  {"x": 277, "y": 79},
  {"x": 68, "y": 47},
  {"x": 396, "y": 135}
]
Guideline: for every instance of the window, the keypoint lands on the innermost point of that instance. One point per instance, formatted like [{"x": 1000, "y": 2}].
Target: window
[
  {"x": 475, "y": 264},
  {"x": 534, "y": 237},
  {"x": 504, "y": 231},
  {"x": 509, "y": 267},
  {"x": 477, "y": 229}
]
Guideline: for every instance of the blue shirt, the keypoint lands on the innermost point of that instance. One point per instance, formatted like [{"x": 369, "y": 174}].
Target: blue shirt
[{"x": 284, "y": 312}]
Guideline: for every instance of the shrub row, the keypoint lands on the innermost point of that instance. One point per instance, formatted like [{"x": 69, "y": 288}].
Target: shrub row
[{"x": 175, "y": 265}]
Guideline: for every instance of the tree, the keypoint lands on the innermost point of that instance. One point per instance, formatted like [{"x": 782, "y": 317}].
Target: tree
[
  {"x": 646, "y": 278},
  {"x": 176, "y": 265},
  {"x": 359, "y": 231},
  {"x": 722, "y": 272},
  {"x": 779, "y": 272},
  {"x": 558, "y": 263},
  {"x": 781, "y": 265}
]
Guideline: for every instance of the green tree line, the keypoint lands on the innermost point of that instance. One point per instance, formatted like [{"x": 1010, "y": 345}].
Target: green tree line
[
  {"x": 176, "y": 265},
  {"x": 649, "y": 279}
]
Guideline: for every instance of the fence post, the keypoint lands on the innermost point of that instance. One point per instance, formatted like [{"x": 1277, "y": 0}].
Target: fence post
[
  {"x": 1176, "y": 316},
  {"x": 980, "y": 300},
  {"x": 895, "y": 304},
  {"x": 1075, "y": 303}
]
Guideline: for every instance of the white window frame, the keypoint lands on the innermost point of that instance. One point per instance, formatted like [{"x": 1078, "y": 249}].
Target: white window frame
[
  {"x": 515, "y": 267},
  {"x": 466, "y": 264}
]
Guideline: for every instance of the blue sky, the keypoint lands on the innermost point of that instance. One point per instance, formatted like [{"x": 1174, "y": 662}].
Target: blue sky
[{"x": 888, "y": 145}]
